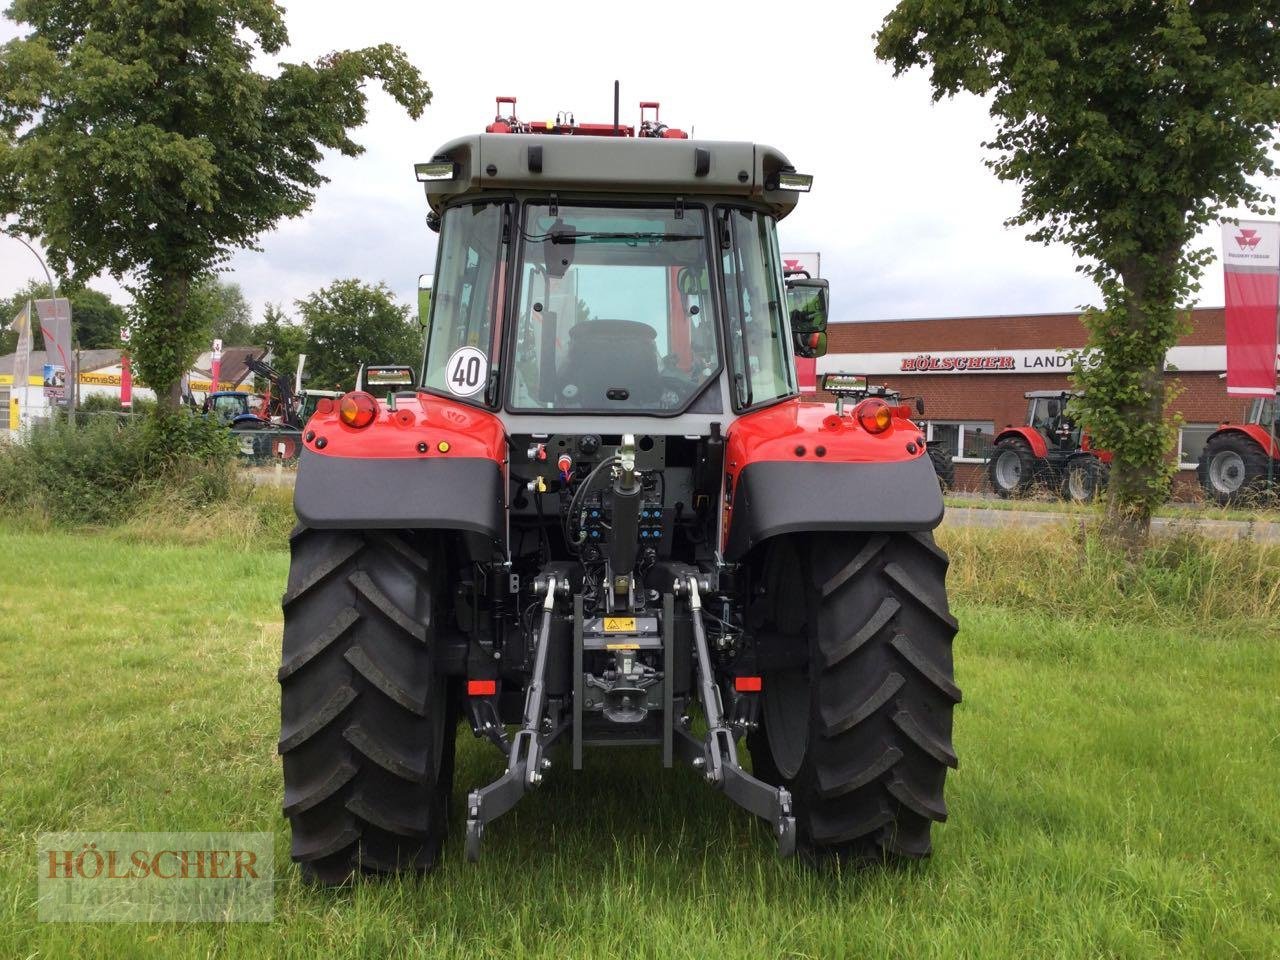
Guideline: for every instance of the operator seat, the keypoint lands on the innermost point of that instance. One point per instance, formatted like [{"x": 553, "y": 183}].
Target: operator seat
[{"x": 611, "y": 355}]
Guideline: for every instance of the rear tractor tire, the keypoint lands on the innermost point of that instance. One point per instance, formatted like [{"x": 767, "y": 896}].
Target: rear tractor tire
[
  {"x": 1084, "y": 479},
  {"x": 861, "y": 735},
  {"x": 1013, "y": 468},
  {"x": 367, "y": 723},
  {"x": 943, "y": 466},
  {"x": 1233, "y": 469}
]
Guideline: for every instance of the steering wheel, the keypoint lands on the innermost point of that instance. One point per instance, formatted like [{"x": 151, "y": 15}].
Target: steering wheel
[{"x": 674, "y": 391}]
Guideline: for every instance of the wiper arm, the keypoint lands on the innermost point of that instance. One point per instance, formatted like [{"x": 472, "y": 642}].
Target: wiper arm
[{"x": 629, "y": 238}]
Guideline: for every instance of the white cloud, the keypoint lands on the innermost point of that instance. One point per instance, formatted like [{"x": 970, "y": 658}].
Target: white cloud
[{"x": 907, "y": 217}]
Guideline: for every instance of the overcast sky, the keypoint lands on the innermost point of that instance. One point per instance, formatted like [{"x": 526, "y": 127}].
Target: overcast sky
[{"x": 906, "y": 216}]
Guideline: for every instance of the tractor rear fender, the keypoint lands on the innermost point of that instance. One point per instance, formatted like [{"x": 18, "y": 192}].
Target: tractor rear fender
[
  {"x": 798, "y": 467},
  {"x": 1255, "y": 432},
  {"x": 429, "y": 464},
  {"x": 1033, "y": 438}
]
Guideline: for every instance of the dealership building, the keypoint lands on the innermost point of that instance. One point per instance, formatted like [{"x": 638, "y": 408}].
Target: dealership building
[{"x": 974, "y": 374}]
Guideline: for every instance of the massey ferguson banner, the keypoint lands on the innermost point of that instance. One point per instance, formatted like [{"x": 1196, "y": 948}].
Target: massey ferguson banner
[{"x": 1251, "y": 260}]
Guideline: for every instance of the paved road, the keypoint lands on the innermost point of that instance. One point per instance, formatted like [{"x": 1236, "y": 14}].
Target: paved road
[{"x": 1265, "y": 532}]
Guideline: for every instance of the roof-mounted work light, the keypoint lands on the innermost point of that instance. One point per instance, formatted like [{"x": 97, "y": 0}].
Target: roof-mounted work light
[
  {"x": 435, "y": 170},
  {"x": 790, "y": 180}
]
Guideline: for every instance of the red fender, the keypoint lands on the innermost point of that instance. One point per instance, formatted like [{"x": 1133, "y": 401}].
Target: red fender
[
  {"x": 1034, "y": 440},
  {"x": 1255, "y": 432},
  {"x": 465, "y": 431},
  {"x": 795, "y": 445}
]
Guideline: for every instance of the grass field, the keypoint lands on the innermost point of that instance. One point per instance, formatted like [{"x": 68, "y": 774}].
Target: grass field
[{"x": 1117, "y": 794}]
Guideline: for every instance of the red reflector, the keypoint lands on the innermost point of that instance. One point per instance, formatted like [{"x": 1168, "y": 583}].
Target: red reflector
[
  {"x": 746, "y": 684},
  {"x": 482, "y": 688}
]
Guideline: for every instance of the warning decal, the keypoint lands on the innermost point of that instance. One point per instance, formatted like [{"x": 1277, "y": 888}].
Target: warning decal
[{"x": 466, "y": 372}]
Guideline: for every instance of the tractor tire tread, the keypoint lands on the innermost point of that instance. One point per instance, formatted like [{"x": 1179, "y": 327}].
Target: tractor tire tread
[
  {"x": 881, "y": 691},
  {"x": 367, "y": 722}
]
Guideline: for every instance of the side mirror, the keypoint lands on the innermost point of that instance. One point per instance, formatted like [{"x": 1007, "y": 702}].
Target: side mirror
[
  {"x": 424, "y": 300},
  {"x": 807, "y": 306},
  {"x": 1054, "y": 407},
  {"x": 920, "y": 406}
]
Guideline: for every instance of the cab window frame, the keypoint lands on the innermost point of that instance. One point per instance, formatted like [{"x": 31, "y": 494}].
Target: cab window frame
[
  {"x": 730, "y": 316},
  {"x": 516, "y": 264},
  {"x": 488, "y": 398}
]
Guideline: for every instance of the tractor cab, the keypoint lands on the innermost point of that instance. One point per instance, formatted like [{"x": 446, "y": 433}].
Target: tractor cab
[
  {"x": 1265, "y": 411},
  {"x": 238, "y": 409},
  {"x": 1046, "y": 413}
]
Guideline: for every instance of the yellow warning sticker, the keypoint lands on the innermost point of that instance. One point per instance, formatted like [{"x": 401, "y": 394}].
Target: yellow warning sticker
[
  {"x": 619, "y": 624},
  {"x": 622, "y": 646}
]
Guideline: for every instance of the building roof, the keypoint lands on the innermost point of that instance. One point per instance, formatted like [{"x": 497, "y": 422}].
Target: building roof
[
  {"x": 233, "y": 362},
  {"x": 89, "y": 360}
]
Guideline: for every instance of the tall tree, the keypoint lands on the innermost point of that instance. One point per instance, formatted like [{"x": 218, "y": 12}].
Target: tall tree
[
  {"x": 285, "y": 340},
  {"x": 138, "y": 139},
  {"x": 96, "y": 320},
  {"x": 230, "y": 317},
  {"x": 1130, "y": 126},
  {"x": 349, "y": 323}
]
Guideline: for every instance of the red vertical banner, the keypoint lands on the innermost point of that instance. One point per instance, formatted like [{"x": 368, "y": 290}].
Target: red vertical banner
[
  {"x": 126, "y": 372},
  {"x": 215, "y": 367},
  {"x": 1251, "y": 261},
  {"x": 126, "y": 383}
]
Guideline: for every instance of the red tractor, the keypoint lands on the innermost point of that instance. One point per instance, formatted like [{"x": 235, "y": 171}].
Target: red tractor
[
  {"x": 603, "y": 518},
  {"x": 1241, "y": 461},
  {"x": 1051, "y": 451}
]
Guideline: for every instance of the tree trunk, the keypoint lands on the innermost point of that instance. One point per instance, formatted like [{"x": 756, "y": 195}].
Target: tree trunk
[
  {"x": 169, "y": 338},
  {"x": 1139, "y": 470}
]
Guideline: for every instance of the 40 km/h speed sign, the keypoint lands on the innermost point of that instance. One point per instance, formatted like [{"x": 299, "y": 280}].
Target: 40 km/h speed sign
[{"x": 466, "y": 371}]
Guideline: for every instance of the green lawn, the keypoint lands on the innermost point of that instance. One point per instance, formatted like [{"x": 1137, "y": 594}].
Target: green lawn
[{"x": 1117, "y": 795}]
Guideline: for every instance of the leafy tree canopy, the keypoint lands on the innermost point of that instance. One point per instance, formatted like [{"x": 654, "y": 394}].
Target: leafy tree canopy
[
  {"x": 230, "y": 317},
  {"x": 348, "y": 323},
  {"x": 1129, "y": 126},
  {"x": 138, "y": 139}
]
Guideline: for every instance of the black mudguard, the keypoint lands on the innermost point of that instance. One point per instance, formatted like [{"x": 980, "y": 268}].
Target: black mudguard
[
  {"x": 349, "y": 493},
  {"x": 777, "y": 497}
]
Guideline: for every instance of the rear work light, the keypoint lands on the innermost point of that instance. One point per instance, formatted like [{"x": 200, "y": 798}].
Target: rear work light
[
  {"x": 875, "y": 416},
  {"x": 357, "y": 409},
  {"x": 800, "y": 182},
  {"x": 436, "y": 170}
]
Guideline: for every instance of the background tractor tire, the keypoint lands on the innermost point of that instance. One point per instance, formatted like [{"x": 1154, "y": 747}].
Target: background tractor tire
[
  {"x": 367, "y": 725},
  {"x": 1233, "y": 469},
  {"x": 1012, "y": 468},
  {"x": 861, "y": 735},
  {"x": 1084, "y": 479},
  {"x": 943, "y": 466}
]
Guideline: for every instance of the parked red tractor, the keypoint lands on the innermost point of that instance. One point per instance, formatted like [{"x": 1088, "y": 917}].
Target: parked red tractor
[
  {"x": 604, "y": 510},
  {"x": 1051, "y": 451},
  {"x": 1241, "y": 461}
]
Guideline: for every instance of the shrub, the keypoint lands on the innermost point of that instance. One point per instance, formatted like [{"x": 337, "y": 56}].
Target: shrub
[
  {"x": 103, "y": 469},
  {"x": 1070, "y": 572}
]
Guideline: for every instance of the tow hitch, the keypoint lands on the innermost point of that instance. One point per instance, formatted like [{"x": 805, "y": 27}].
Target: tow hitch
[{"x": 715, "y": 756}]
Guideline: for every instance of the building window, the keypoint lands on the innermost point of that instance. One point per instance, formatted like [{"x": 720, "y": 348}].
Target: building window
[
  {"x": 967, "y": 442},
  {"x": 1191, "y": 439}
]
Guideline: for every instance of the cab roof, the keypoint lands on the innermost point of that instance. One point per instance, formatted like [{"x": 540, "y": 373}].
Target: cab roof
[{"x": 506, "y": 162}]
